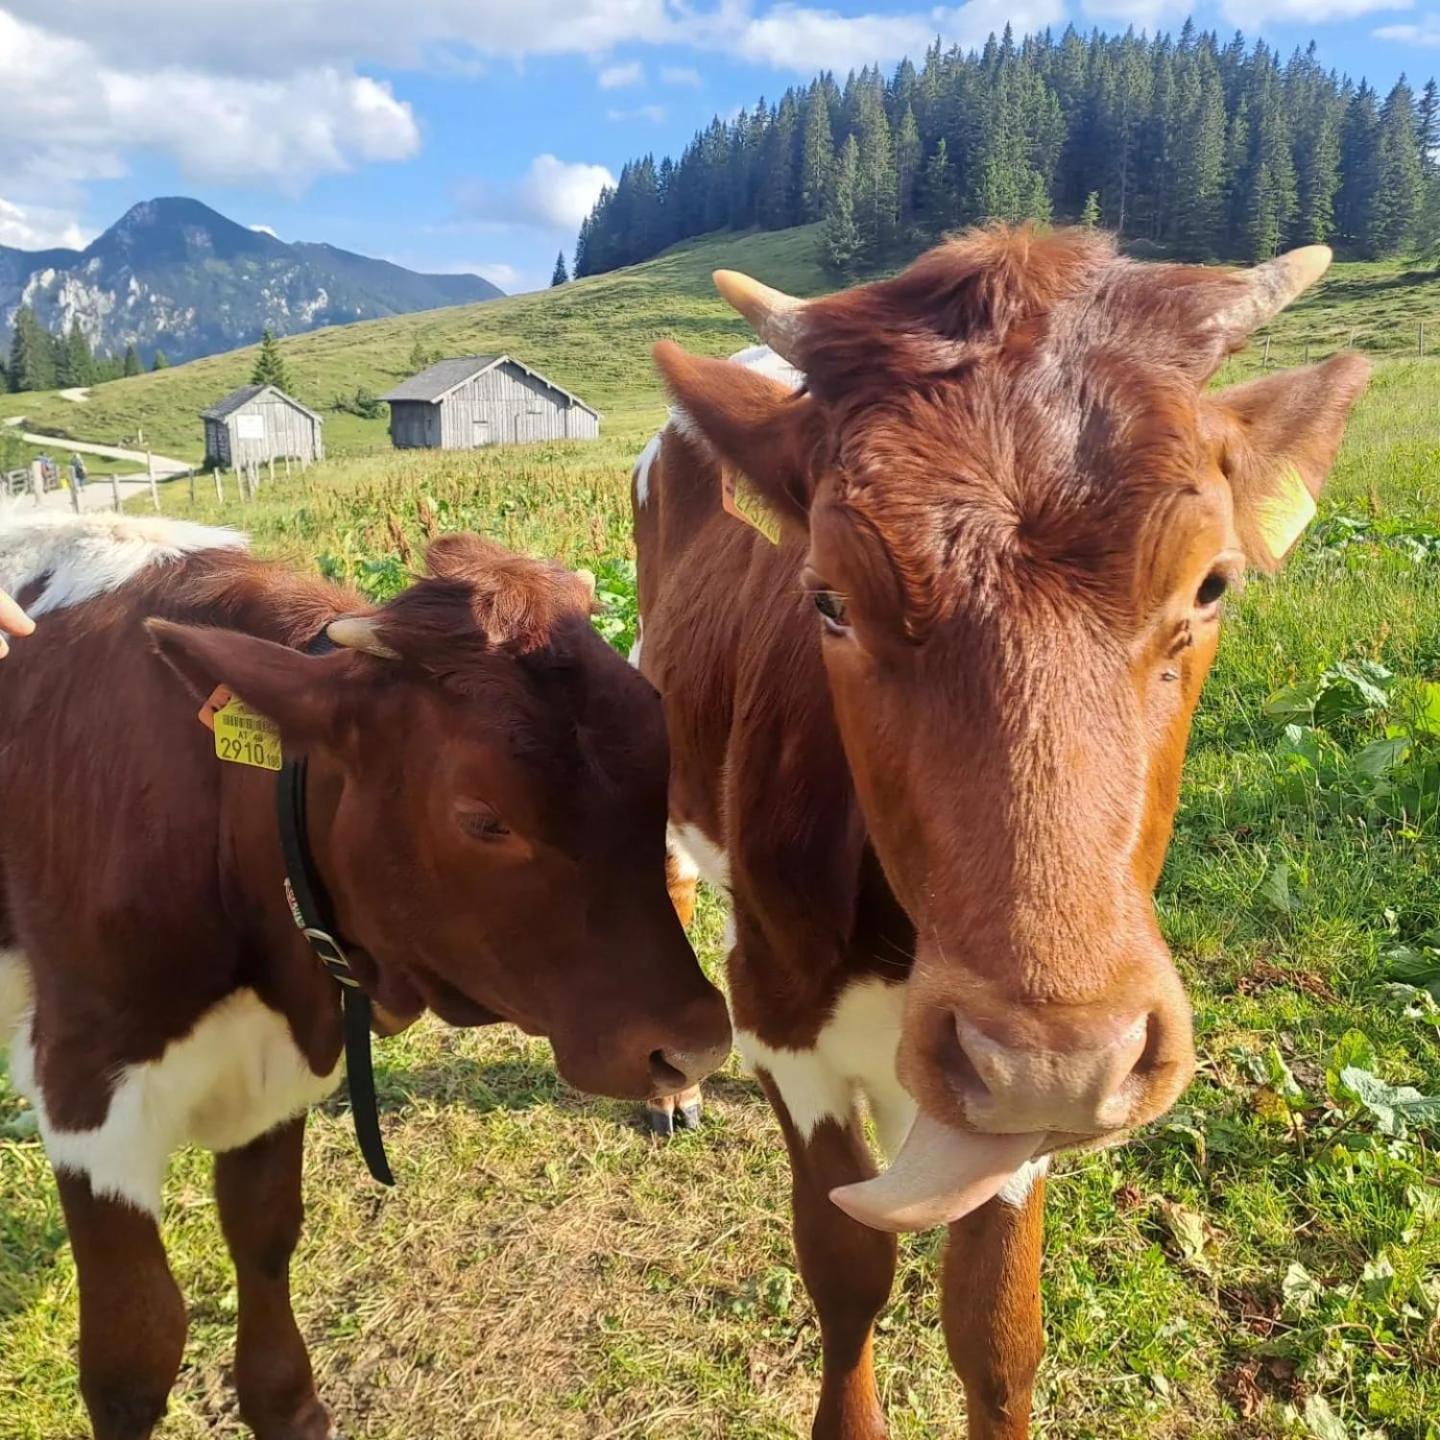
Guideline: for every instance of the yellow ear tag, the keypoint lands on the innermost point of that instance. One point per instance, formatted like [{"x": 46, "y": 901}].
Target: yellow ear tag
[
  {"x": 1286, "y": 513},
  {"x": 738, "y": 499},
  {"x": 244, "y": 737}
]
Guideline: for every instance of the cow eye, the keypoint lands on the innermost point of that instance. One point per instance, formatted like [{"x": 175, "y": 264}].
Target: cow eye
[
  {"x": 480, "y": 820},
  {"x": 832, "y": 607},
  {"x": 1211, "y": 589}
]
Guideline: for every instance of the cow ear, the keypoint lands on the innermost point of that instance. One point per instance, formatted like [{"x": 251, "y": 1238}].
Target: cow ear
[
  {"x": 300, "y": 693},
  {"x": 760, "y": 426},
  {"x": 1277, "y": 439}
]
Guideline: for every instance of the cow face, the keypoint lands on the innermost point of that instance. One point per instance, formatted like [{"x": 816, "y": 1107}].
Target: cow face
[
  {"x": 487, "y": 800},
  {"x": 1021, "y": 515}
]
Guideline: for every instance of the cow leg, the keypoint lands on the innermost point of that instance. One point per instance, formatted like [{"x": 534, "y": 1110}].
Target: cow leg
[
  {"x": 682, "y": 1112},
  {"x": 257, "y": 1188},
  {"x": 991, "y": 1306},
  {"x": 847, "y": 1268},
  {"x": 132, "y": 1317}
]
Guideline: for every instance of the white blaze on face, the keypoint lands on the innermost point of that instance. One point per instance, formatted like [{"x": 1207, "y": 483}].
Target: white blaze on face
[
  {"x": 81, "y": 556},
  {"x": 236, "y": 1075}
]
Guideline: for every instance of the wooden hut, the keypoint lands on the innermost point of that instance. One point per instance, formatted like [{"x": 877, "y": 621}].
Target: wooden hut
[
  {"x": 485, "y": 400},
  {"x": 258, "y": 423}
]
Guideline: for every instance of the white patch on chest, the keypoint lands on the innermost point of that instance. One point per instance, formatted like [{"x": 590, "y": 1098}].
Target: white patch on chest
[
  {"x": 642, "y": 469},
  {"x": 634, "y": 656},
  {"x": 1016, "y": 1190},
  {"x": 237, "y": 1074},
  {"x": 82, "y": 556},
  {"x": 697, "y": 852},
  {"x": 853, "y": 1056}
]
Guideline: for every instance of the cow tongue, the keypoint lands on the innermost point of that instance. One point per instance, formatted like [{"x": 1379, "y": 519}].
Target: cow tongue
[{"x": 939, "y": 1175}]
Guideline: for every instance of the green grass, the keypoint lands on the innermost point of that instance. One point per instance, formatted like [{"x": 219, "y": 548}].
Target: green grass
[{"x": 1263, "y": 1256}]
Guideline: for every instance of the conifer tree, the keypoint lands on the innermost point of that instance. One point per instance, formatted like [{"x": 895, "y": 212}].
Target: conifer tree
[
  {"x": 74, "y": 364},
  {"x": 817, "y": 155},
  {"x": 32, "y": 354},
  {"x": 908, "y": 155},
  {"x": 938, "y": 191},
  {"x": 560, "y": 275},
  {"x": 159, "y": 361},
  {"x": 1390, "y": 224},
  {"x": 1427, "y": 128},
  {"x": 876, "y": 200},
  {"x": 132, "y": 364},
  {"x": 1090, "y": 215},
  {"x": 269, "y": 364},
  {"x": 841, "y": 245}
]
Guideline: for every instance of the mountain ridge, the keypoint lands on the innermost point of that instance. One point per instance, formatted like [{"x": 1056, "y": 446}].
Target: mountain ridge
[{"x": 174, "y": 274}]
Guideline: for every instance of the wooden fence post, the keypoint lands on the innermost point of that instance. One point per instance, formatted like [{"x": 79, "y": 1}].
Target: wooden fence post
[
  {"x": 219, "y": 485},
  {"x": 192, "y": 487},
  {"x": 272, "y": 469},
  {"x": 1422, "y": 339},
  {"x": 150, "y": 474},
  {"x": 37, "y": 486},
  {"x": 1307, "y": 352},
  {"x": 74, "y": 495},
  {"x": 115, "y": 489},
  {"x": 1265, "y": 363},
  {"x": 287, "y": 467}
]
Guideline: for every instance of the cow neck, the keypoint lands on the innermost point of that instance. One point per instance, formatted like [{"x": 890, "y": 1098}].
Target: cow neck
[{"x": 314, "y": 915}]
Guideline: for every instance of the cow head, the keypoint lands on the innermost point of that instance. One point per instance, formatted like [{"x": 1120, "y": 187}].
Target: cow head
[
  {"x": 487, "y": 807},
  {"x": 1020, "y": 511}
]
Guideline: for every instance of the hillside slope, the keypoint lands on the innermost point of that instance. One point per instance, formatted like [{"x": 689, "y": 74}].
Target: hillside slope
[
  {"x": 594, "y": 336},
  {"x": 175, "y": 274}
]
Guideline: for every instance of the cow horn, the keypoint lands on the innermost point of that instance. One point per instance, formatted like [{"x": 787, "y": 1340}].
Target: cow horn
[
  {"x": 777, "y": 318},
  {"x": 1270, "y": 287},
  {"x": 357, "y": 632}
]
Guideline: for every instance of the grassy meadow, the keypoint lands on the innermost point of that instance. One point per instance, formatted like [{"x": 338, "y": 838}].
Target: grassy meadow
[{"x": 1263, "y": 1263}]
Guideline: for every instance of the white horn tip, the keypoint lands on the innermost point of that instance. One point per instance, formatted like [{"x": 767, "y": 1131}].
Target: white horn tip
[{"x": 352, "y": 632}]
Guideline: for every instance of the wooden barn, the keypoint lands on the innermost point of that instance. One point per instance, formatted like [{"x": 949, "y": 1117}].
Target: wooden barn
[
  {"x": 257, "y": 423},
  {"x": 485, "y": 400}
]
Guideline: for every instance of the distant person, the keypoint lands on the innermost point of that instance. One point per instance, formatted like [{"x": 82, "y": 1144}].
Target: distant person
[
  {"x": 77, "y": 472},
  {"x": 13, "y": 621}
]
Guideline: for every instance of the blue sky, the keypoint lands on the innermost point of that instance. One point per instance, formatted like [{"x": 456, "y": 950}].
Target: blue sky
[{"x": 473, "y": 134}]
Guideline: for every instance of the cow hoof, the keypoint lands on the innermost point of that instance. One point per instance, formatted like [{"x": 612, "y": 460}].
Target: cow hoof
[
  {"x": 688, "y": 1116},
  {"x": 661, "y": 1119}
]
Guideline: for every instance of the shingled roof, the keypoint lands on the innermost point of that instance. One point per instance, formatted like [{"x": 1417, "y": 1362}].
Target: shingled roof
[
  {"x": 442, "y": 377},
  {"x": 230, "y": 403},
  {"x": 434, "y": 384}
]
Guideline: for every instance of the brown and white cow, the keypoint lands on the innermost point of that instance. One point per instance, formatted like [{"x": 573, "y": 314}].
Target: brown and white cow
[
  {"x": 931, "y": 742},
  {"x": 486, "y": 806}
]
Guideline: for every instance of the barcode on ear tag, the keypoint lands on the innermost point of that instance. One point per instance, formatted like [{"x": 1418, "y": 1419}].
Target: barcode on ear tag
[
  {"x": 738, "y": 499},
  {"x": 245, "y": 737}
]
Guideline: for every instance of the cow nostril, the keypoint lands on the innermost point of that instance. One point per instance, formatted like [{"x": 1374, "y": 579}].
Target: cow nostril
[
  {"x": 960, "y": 1071},
  {"x": 666, "y": 1077}
]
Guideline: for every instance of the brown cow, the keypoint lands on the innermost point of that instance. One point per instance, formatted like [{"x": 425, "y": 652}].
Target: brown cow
[
  {"x": 486, "y": 808},
  {"x": 941, "y": 803}
]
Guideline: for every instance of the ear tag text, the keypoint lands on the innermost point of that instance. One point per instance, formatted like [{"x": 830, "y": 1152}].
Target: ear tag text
[
  {"x": 739, "y": 500},
  {"x": 242, "y": 736},
  {"x": 1285, "y": 514}
]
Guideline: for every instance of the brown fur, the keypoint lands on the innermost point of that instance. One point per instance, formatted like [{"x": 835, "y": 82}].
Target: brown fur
[
  {"x": 141, "y": 879},
  {"x": 1005, "y": 464}
]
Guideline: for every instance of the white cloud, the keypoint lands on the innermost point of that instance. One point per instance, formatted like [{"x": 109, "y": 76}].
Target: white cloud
[
  {"x": 685, "y": 75},
  {"x": 38, "y": 227},
  {"x": 616, "y": 77},
  {"x": 804, "y": 39},
  {"x": 70, "y": 116},
  {"x": 653, "y": 114},
  {"x": 553, "y": 194},
  {"x": 1426, "y": 33},
  {"x": 265, "y": 230},
  {"x": 1256, "y": 14},
  {"x": 507, "y": 277}
]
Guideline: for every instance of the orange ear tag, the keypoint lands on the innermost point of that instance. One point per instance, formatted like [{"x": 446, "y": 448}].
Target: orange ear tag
[
  {"x": 739, "y": 500},
  {"x": 242, "y": 736}
]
